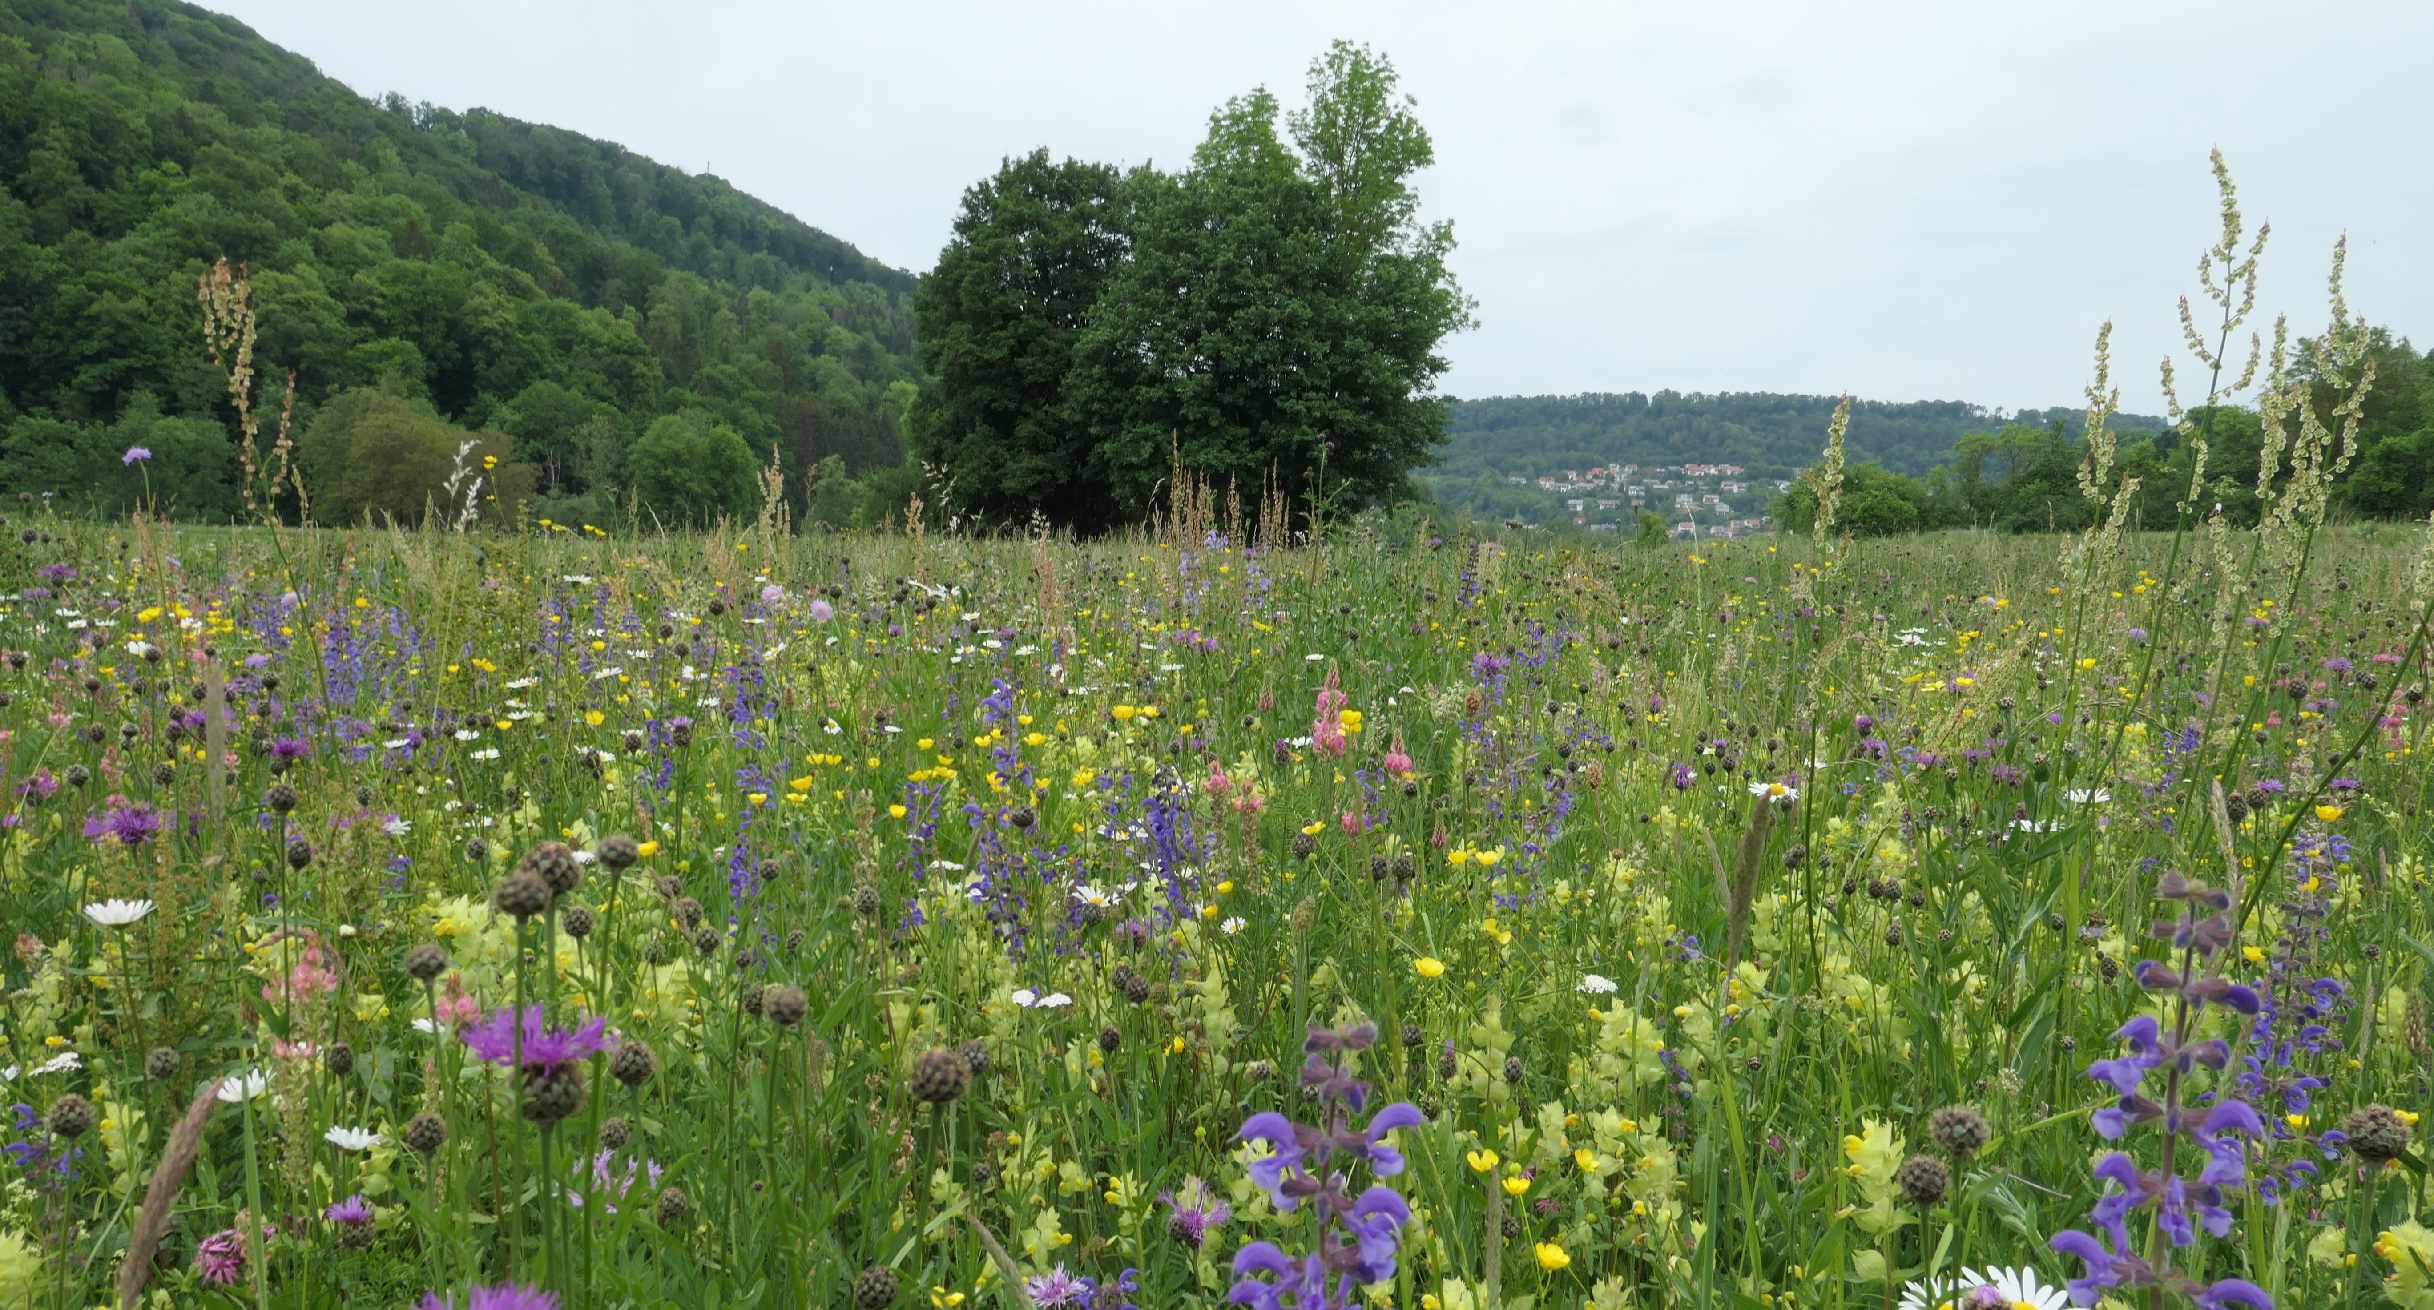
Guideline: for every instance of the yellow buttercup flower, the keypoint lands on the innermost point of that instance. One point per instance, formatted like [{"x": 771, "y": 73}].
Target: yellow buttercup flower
[
  {"x": 1482, "y": 1160},
  {"x": 1428, "y": 966},
  {"x": 1552, "y": 1257}
]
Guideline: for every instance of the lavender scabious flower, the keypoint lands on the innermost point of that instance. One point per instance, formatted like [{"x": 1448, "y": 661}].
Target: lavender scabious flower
[
  {"x": 543, "y": 1050},
  {"x": 1357, "y": 1237},
  {"x": 1194, "y": 1211},
  {"x": 2219, "y": 1133}
]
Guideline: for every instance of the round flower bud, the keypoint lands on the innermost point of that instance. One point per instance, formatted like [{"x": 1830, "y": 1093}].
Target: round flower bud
[
  {"x": 555, "y": 862},
  {"x": 553, "y": 1094},
  {"x": 1959, "y": 1129},
  {"x": 339, "y": 1059},
  {"x": 427, "y": 961},
  {"x": 785, "y": 1006},
  {"x": 1922, "y": 1179},
  {"x": 425, "y": 1133},
  {"x": 633, "y": 1064},
  {"x": 874, "y": 1288},
  {"x": 939, "y": 1076},
  {"x": 161, "y": 1064},
  {"x": 521, "y": 894},
  {"x": 673, "y": 1207},
  {"x": 618, "y": 851},
  {"x": 615, "y": 1132},
  {"x": 70, "y": 1116},
  {"x": 2376, "y": 1134},
  {"x": 578, "y": 922}
]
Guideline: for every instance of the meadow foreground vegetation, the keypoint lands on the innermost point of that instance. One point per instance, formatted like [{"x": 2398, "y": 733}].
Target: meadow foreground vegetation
[{"x": 762, "y": 920}]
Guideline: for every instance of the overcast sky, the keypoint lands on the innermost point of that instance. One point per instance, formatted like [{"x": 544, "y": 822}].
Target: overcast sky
[{"x": 1905, "y": 201}]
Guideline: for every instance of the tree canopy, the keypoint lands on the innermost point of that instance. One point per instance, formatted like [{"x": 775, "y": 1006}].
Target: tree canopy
[{"x": 1272, "y": 311}]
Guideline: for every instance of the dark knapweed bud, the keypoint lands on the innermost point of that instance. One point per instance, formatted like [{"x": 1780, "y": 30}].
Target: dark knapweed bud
[
  {"x": 1959, "y": 1129},
  {"x": 521, "y": 894},
  {"x": 577, "y": 921},
  {"x": 339, "y": 1059},
  {"x": 751, "y": 999},
  {"x": 71, "y": 1115},
  {"x": 161, "y": 1064},
  {"x": 939, "y": 1076},
  {"x": 874, "y": 1288},
  {"x": 425, "y": 1133},
  {"x": 281, "y": 798},
  {"x": 618, "y": 851},
  {"x": 673, "y": 1207},
  {"x": 2377, "y": 1134},
  {"x": 553, "y": 1094},
  {"x": 1512, "y": 1069},
  {"x": 706, "y": 940},
  {"x": 299, "y": 854},
  {"x": 1922, "y": 1179},
  {"x": 866, "y": 900},
  {"x": 688, "y": 913},
  {"x": 557, "y": 866},
  {"x": 1110, "y": 1040},
  {"x": 633, "y": 1064},
  {"x": 427, "y": 961},
  {"x": 615, "y": 1132},
  {"x": 785, "y": 1006}
]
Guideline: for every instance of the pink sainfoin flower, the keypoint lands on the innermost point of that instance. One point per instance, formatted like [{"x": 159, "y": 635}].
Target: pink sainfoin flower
[
  {"x": 1327, "y": 726},
  {"x": 309, "y": 978}
]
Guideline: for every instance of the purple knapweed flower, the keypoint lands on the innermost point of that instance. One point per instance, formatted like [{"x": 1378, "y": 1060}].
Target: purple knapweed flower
[{"x": 543, "y": 1050}]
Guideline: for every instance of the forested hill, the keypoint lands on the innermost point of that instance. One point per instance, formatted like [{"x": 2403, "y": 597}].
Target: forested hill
[
  {"x": 477, "y": 271},
  {"x": 1768, "y": 434}
]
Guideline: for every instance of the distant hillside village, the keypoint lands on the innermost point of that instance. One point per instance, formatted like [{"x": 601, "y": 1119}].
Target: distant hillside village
[{"x": 1698, "y": 500}]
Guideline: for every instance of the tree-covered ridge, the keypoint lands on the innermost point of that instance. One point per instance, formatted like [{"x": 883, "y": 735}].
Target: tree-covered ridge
[
  {"x": 1770, "y": 434},
  {"x": 562, "y": 292}
]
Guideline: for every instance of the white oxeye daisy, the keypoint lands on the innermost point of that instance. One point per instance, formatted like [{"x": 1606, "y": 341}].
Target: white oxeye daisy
[
  {"x": 1232, "y": 925},
  {"x": 2011, "y": 1289},
  {"x": 1597, "y": 984},
  {"x": 244, "y": 1086},
  {"x": 117, "y": 913},
  {"x": 2087, "y": 795},
  {"x": 351, "y": 1139},
  {"x": 1780, "y": 792}
]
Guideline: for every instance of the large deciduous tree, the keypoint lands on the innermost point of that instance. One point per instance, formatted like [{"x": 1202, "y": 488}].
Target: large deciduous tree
[
  {"x": 1282, "y": 312},
  {"x": 1275, "y": 309},
  {"x": 1033, "y": 248}
]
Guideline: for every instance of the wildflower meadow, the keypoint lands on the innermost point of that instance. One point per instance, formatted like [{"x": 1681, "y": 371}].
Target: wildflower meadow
[{"x": 1387, "y": 919}]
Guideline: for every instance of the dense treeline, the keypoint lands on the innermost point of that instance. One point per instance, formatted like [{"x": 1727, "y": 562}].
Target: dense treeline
[
  {"x": 616, "y": 331},
  {"x": 2025, "y": 477}
]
